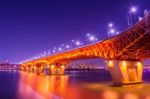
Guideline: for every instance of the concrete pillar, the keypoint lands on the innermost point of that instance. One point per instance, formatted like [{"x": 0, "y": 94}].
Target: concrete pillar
[
  {"x": 62, "y": 68},
  {"x": 24, "y": 68},
  {"x": 46, "y": 69},
  {"x": 21, "y": 68},
  {"x": 125, "y": 72},
  {"x": 33, "y": 69},
  {"x": 39, "y": 69},
  {"x": 57, "y": 70},
  {"x": 29, "y": 69}
]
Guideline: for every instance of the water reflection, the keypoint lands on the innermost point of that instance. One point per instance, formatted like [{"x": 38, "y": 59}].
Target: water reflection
[
  {"x": 76, "y": 86},
  {"x": 32, "y": 86},
  {"x": 49, "y": 87}
]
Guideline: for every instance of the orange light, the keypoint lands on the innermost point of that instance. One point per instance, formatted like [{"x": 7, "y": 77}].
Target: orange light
[
  {"x": 34, "y": 67},
  {"x": 139, "y": 64},
  {"x": 124, "y": 68},
  {"x": 62, "y": 66},
  {"x": 47, "y": 66},
  {"x": 110, "y": 63},
  {"x": 52, "y": 66},
  {"x": 123, "y": 63}
]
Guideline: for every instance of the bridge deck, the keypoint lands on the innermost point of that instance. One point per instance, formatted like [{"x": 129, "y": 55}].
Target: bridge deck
[{"x": 134, "y": 43}]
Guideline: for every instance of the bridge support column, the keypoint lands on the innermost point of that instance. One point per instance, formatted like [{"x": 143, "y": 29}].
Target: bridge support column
[
  {"x": 46, "y": 69},
  {"x": 24, "y": 69},
  {"x": 57, "y": 70},
  {"x": 33, "y": 69},
  {"x": 39, "y": 69},
  {"x": 21, "y": 68},
  {"x": 29, "y": 69},
  {"x": 125, "y": 72}
]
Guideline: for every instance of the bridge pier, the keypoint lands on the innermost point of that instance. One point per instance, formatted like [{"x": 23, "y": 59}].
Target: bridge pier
[
  {"x": 22, "y": 68},
  {"x": 39, "y": 70},
  {"x": 29, "y": 70},
  {"x": 125, "y": 72},
  {"x": 33, "y": 69},
  {"x": 57, "y": 70}
]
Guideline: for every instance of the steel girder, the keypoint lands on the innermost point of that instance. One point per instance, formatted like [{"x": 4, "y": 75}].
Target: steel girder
[{"x": 133, "y": 43}]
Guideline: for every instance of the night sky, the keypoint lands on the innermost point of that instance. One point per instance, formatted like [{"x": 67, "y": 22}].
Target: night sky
[{"x": 29, "y": 27}]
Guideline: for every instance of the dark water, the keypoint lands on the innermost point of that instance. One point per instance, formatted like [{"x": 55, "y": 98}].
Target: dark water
[{"x": 73, "y": 85}]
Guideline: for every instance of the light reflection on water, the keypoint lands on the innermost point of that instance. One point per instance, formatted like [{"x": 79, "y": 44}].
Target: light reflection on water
[{"x": 32, "y": 86}]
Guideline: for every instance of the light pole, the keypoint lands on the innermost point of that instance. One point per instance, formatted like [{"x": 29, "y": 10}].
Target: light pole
[
  {"x": 67, "y": 46},
  {"x": 110, "y": 26},
  {"x": 91, "y": 38},
  {"x": 132, "y": 11},
  {"x": 77, "y": 43},
  {"x": 112, "y": 30}
]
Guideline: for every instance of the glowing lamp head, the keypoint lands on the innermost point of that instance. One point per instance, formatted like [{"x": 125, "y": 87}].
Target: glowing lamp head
[
  {"x": 87, "y": 34},
  {"x": 92, "y": 38},
  {"x": 62, "y": 44},
  {"x": 67, "y": 46},
  {"x": 133, "y": 9},
  {"x": 60, "y": 49},
  {"x": 72, "y": 40},
  {"x": 117, "y": 32},
  {"x": 54, "y": 51},
  {"x": 77, "y": 43},
  {"x": 110, "y": 24},
  {"x": 112, "y": 31}
]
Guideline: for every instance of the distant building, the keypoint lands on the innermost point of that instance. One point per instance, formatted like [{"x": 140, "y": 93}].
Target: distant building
[
  {"x": 4, "y": 62},
  {"x": 6, "y": 66}
]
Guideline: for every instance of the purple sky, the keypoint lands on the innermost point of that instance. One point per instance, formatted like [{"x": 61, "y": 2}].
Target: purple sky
[{"x": 28, "y": 27}]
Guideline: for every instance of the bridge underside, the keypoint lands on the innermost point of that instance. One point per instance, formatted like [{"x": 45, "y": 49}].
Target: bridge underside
[{"x": 139, "y": 50}]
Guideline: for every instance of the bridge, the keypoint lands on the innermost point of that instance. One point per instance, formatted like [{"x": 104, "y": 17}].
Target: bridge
[{"x": 124, "y": 54}]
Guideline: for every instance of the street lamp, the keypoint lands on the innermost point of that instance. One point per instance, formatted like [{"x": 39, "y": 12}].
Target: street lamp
[
  {"x": 112, "y": 31},
  {"x": 53, "y": 51},
  {"x": 87, "y": 34},
  {"x": 77, "y": 43},
  {"x": 72, "y": 40},
  {"x": 110, "y": 26},
  {"x": 117, "y": 32},
  {"x": 67, "y": 46},
  {"x": 62, "y": 44},
  {"x": 60, "y": 49},
  {"x": 49, "y": 52},
  {"x": 91, "y": 38},
  {"x": 132, "y": 11}
]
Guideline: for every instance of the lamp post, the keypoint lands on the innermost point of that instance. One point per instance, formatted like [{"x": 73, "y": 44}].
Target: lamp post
[
  {"x": 110, "y": 26},
  {"x": 132, "y": 11},
  {"x": 91, "y": 38}
]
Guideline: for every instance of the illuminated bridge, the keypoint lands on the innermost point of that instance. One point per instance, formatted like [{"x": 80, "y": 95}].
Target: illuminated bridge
[{"x": 124, "y": 54}]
